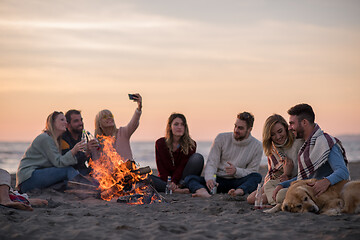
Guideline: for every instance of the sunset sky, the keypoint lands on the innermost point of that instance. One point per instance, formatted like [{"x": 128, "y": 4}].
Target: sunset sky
[{"x": 206, "y": 59}]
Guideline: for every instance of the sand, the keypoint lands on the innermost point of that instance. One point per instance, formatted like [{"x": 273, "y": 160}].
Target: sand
[{"x": 69, "y": 216}]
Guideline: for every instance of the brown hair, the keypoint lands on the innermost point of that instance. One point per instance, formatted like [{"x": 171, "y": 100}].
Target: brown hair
[
  {"x": 186, "y": 142},
  {"x": 247, "y": 117},
  {"x": 303, "y": 111}
]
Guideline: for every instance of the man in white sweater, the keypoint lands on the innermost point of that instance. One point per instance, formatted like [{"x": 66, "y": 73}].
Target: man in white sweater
[{"x": 234, "y": 158}]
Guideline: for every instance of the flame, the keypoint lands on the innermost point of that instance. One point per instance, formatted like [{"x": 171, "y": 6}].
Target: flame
[{"x": 118, "y": 177}]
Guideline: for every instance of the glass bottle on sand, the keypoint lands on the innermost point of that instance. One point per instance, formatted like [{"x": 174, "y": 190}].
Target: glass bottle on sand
[
  {"x": 214, "y": 190},
  {"x": 258, "y": 198}
]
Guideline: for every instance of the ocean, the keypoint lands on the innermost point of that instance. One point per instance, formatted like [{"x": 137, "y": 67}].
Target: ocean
[{"x": 144, "y": 152}]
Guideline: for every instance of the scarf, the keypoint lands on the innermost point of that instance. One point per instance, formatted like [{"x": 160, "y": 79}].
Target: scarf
[
  {"x": 276, "y": 162},
  {"x": 315, "y": 152}
]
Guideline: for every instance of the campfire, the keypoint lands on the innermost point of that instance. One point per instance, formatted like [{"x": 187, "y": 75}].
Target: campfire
[{"x": 121, "y": 178}]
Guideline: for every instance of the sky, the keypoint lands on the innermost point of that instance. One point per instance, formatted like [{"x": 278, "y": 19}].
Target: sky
[{"x": 206, "y": 59}]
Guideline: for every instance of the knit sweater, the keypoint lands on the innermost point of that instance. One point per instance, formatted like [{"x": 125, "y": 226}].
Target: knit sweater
[
  {"x": 42, "y": 153},
  {"x": 245, "y": 155}
]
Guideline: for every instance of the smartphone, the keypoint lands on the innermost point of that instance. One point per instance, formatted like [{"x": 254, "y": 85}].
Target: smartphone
[{"x": 132, "y": 96}]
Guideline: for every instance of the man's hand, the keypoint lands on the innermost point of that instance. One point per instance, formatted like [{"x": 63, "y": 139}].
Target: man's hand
[
  {"x": 210, "y": 184},
  {"x": 276, "y": 190},
  {"x": 320, "y": 186},
  {"x": 231, "y": 169}
]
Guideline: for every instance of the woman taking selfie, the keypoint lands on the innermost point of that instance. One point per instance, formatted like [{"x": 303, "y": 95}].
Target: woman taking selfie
[{"x": 105, "y": 126}]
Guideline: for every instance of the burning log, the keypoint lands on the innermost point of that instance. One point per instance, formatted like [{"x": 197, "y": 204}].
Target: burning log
[{"x": 117, "y": 176}]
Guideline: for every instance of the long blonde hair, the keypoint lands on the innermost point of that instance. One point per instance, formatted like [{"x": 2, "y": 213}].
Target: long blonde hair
[
  {"x": 50, "y": 127},
  {"x": 269, "y": 124},
  {"x": 186, "y": 142},
  {"x": 98, "y": 130}
]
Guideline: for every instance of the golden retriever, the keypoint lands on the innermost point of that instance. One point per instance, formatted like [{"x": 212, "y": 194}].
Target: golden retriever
[{"x": 341, "y": 197}]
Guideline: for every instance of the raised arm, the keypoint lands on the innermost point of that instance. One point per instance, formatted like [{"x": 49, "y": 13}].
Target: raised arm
[{"x": 130, "y": 128}]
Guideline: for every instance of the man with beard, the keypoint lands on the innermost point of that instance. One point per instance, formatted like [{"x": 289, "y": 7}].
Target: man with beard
[
  {"x": 72, "y": 136},
  {"x": 321, "y": 156},
  {"x": 234, "y": 158}
]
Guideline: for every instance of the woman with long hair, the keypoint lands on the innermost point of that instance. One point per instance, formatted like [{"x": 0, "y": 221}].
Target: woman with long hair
[
  {"x": 281, "y": 149},
  {"x": 176, "y": 155},
  {"x": 105, "y": 126},
  {"x": 42, "y": 164}
]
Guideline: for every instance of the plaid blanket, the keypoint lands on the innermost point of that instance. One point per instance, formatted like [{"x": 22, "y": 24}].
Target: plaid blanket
[
  {"x": 276, "y": 162},
  {"x": 315, "y": 152}
]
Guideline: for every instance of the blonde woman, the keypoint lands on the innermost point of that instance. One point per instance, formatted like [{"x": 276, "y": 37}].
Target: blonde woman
[
  {"x": 175, "y": 155},
  {"x": 281, "y": 149},
  {"x": 105, "y": 125},
  {"x": 42, "y": 164}
]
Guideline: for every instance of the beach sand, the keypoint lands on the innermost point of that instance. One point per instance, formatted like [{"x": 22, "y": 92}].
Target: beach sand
[{"x": 69, "y": 216}]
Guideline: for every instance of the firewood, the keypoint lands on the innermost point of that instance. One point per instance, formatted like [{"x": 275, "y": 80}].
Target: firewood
[{"x": 81, "y": 185}]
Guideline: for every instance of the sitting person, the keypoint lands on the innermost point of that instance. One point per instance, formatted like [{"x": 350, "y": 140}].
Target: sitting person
[
  {"x": 281, "y": 148},
  {"x": 175, "y": 155},
  {"x": 42, "y": 164},
  {"x": 321, "y": 156},
  {"x": 105, "y": 125},
  {"x": 72, "y": 136},
  {"x": 234, "y": 158},
  {"x": 12, "y": 199}
]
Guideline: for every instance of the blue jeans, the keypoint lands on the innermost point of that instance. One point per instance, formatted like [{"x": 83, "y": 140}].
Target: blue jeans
[
  {"x": 45, "y": 177},
  {"x": 248, "y": 183},
  {"x": 194, "y": 166}
]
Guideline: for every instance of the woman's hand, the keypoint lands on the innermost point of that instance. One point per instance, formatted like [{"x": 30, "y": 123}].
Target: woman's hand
[
  {"x": 80, "y": 146},
  {"x": 93, "y": 145},
  {"x": 173, "y": 186},
  {"x": 288, "y": 166},
  {"x": 138, "y": 99},
  {"x": 284, "y": 177}
]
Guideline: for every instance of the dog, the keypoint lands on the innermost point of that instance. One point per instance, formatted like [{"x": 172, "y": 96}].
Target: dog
[{"x": 343, "y": 197}]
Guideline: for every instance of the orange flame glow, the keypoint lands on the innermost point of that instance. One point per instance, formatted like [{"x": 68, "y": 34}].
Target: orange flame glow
[{"x": 117, "y": 176}]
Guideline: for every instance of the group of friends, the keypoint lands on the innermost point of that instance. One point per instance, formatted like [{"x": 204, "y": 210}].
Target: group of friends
[{"x": 298, "y": 150}]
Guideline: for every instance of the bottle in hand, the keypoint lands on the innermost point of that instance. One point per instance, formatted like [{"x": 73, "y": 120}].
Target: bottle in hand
[
  {"x": 168, "y": 190},
  {"x": 84, "y": 138}
]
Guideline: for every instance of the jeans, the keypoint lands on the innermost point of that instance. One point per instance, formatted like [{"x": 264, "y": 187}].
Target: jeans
[
  {"x": 45, "y": 177},
  {"x": 194, "y": 166},
  {"x": 248, "y": 183}
]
